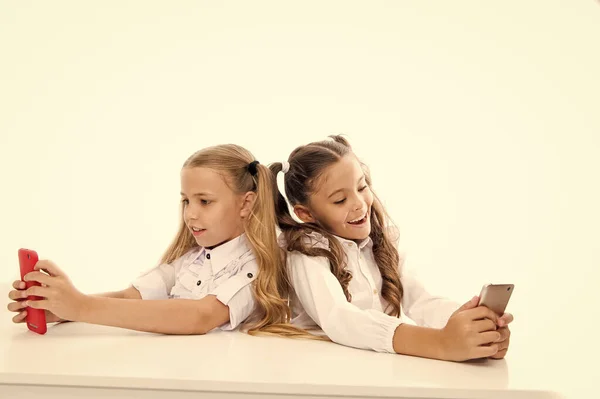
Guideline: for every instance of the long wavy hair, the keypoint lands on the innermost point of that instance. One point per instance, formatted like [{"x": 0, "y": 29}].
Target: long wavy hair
[
  {"x": 272, "y": 313},
  {"x": 306, "y": 165}
]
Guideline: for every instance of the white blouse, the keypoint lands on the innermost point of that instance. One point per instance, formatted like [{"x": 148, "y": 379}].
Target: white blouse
[
  {"x": 319, "y": 301},
  {"x": 226, "y": 271}
]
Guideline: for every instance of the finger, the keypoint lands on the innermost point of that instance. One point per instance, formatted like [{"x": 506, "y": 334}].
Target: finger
[
  {"x": 500, "y": 354},
  {"x": 503, "y": 345},
  {"x": 484, "y": 325},
  {"x": 18, "y": 285},
  {"x": 16, "y": 306},
  {"x": 482, "y": 312},
  {"x": 49, "y": 266},
  {"x": 505, "y": 320},
  {"x": 20, "y": 318},
  {"x": 37, "y": 291},
  {"x": 504, "y": 334},
  {"x": 17, "y": 295},
  {"x": 484, "y": 351},
  {"x": 39, "y": 277},
  {"x": 488, "y": 337},
  {"x": 39, "y": 304}
]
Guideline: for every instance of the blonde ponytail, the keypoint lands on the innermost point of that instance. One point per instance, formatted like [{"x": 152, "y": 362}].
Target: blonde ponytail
[{"x": 243, "y": 174}]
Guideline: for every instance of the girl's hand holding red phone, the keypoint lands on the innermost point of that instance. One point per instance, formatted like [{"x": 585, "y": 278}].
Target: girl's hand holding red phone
[
  {"x": 17, "y": 304},
  {"x": 36, "y": 319},
  {"x": 44, "y": 294},
  {"x": 59, "y": 295}
]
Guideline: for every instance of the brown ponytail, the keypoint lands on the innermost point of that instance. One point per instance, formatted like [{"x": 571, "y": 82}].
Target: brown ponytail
[{"x": 307, "y": 163}]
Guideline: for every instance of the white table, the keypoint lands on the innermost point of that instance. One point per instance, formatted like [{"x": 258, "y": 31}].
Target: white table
[{"x": 75, "y": 360}]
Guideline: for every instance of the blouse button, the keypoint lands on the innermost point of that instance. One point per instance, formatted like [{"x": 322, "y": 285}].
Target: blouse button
[
  {"x": 207, "y": 256},
  {"x": 250, "y": 275},
  {"x": 199, "y": 282},
  {"x": 375, "y": 291}
]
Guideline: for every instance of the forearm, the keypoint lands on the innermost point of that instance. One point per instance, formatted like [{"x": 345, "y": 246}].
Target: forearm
[
  {"x": 172, "y": 316},
  {"x": 129, "y": 293},
  {"x": 418, "y": 341}
]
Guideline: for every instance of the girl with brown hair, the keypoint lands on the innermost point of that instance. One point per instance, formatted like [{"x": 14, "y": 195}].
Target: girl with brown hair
[{"x": 346, "y": 275}]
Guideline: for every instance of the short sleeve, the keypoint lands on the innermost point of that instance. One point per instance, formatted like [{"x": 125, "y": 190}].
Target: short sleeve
[
  {"x": 237, "y": 294},
  {"x": 158, "y": 281}
]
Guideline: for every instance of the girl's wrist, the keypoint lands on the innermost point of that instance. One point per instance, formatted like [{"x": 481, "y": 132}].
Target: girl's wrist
[
  {"x": 421, "y": 341},
  {"x": 443, "y": 344},
  {"x": 86, "y": 305}
]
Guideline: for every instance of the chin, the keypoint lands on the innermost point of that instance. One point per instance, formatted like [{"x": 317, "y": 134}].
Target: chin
[
  {"x": 358, "y": 235},
  {"x": 203, "y": 242},
  {"x": 364, "y": 236}
]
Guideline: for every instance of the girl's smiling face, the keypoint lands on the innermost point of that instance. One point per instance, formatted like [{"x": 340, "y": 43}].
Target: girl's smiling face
[{"x": 341, "y": 200}]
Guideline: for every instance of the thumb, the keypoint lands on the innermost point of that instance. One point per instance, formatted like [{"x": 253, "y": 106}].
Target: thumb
[
  {"x": 472, "y": 303},
  {"x": 49, "y": 267}
]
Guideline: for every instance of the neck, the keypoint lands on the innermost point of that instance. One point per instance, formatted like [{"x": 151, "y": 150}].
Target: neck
[{"x": 224, "y": 242}]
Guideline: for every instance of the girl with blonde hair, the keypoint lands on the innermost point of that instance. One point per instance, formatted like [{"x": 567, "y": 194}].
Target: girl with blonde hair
[{"x": 222, "y": 270}]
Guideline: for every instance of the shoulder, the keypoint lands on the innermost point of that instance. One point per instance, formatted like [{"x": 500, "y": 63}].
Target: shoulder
[
  {"x": 393, "y": 234},
  {"x": 311, "y": 240},
  {"x": 297, "y": 260},
  {"x": 302, "y": 268},
  {"x": 248, "y": 263},
  {"x": 187, "y": 257}
]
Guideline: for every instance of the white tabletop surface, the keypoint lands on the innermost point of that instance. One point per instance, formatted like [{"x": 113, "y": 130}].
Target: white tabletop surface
[{"x": 83, "y": 356}]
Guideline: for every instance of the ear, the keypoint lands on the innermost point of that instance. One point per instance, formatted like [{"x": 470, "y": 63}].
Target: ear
[
  {"x": 303, "y": 214},
  {"x": 248, "y": 201}
]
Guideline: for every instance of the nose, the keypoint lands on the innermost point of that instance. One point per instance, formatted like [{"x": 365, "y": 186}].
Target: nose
[
  {"x": 359, "y": 203},
  {"x": 190, "y": 213}
]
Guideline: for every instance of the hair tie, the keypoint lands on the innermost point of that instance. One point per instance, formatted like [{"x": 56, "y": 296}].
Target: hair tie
[
  {"x": 252, "y": 167},
  {"x": 285, "y": 167}
]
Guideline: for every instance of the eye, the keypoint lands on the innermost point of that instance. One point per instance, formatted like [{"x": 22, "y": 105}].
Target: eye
[
  {"x": 205, "y": 202},
  {"x": 363, "y": 188},
  {"x": 340, "y": 201},
  {"x": 185, "y": 201}
]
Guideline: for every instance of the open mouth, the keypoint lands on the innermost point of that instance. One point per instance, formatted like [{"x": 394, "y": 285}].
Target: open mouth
[
  {"x": 359, "y": 221},
  {"x": 196, "y": 231}
]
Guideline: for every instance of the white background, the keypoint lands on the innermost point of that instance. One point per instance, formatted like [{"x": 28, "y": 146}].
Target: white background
[{"x": 479, "y": 120}]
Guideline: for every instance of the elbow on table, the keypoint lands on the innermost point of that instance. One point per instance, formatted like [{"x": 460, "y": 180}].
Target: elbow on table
[
  {"x": 333, "y": 327},
  {"x": 198, "y": 323},
  {"x": 208, "y": 314}
]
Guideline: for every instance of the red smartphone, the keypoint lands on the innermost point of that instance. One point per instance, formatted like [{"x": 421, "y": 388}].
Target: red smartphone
[{"x": 36, "y": 318}]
